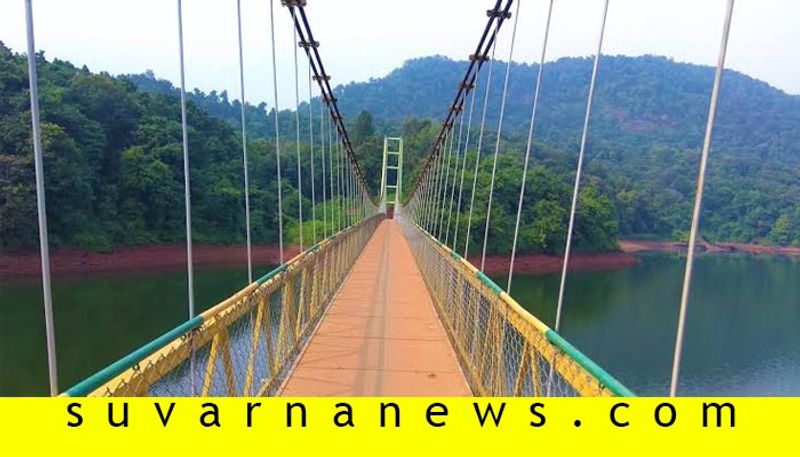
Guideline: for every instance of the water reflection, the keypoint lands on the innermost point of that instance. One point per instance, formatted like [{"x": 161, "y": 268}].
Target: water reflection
[
  {"x": 742, "y": 333},
  {"x": 98, "y": 320}
]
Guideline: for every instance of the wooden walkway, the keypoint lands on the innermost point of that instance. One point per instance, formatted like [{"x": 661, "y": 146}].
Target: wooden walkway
[{"x": 381, "y": 336}]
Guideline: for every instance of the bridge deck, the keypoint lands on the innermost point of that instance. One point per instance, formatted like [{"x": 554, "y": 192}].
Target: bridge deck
[{"x": 381, "y": 336}]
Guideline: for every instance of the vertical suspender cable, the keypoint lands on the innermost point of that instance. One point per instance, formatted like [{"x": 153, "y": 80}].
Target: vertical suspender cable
[
  {"x": 442, "y": 182},
  {"x": 41, "y": 207},
  {"x": 244, "y": 148},
  {"x": 339, "y": 163},
  {"x": 186, "y": 191},
  {"x": 529, "y": 146},
  {"x": 499, "y": 131},
  {"x": 345, "y": 203},
  {"x": 186, "y": 181},
  {"x": 579, "y": 169},
  {"x": 480, "y": 142},
  {"x": 339, "y": 219},
  {"x": 349, "y": 170},
  {"x": 350, "y": 193},
  {"x": 437, "y": 171},
  {"x": 339, "y": 189},
  {"x": 277, "y": 129},
  {"x": 335, "y": 171},
  {"x": 440, "y": 153},
  {"x": 426, "y": 197},
  {"x": 426, "y": 202},
  {"x": 297, "y": 136},
  {"x": 330, "y": 169},
  {"x": 419, "y": 208},
  {"x": 446, "y": 180},
  {"x": 324, "y": 190},
  {"x": 698, "y": 200},
  {"x": 464, "y": 165},
  {"x": 455, "y": 171},
  {"x": 311, "y": 146}
]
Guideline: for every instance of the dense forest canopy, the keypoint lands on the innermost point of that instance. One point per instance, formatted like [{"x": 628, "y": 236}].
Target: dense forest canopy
[
  {"x": 645, "y": 135},
  {"x": 114, "y": 166}
]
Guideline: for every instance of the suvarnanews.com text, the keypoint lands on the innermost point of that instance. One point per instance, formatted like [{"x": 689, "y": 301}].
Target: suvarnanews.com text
[{"x": 386, "y": 414}]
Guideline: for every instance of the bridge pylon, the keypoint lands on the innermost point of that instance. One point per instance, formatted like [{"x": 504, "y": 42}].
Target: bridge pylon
[{"x": 391, "y": 172}]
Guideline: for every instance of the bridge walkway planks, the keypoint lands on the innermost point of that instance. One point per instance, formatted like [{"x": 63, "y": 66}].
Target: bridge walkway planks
[{"x": 381, "y": 336}]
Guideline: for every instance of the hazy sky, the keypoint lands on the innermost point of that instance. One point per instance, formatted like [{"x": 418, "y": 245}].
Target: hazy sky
[{"x": 362, "y": 39}]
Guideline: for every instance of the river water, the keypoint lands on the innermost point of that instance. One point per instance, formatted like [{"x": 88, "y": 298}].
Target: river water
[{"x": 742, "y": 335}]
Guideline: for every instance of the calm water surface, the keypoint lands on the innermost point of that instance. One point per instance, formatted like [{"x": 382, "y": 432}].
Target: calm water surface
[
  {"x": 97, "y": 319},
  {"x": 743, "y": 329}
]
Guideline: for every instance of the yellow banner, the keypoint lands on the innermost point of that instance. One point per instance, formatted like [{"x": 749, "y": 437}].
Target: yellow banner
[{"x": 414, "y": 427}]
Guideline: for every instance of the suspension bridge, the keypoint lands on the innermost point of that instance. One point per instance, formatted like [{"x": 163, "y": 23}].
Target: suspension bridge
[{"x": 382, "y": 301}]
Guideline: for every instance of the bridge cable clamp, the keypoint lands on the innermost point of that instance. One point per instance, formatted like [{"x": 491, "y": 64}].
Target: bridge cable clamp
[
  {"x": 308, "y": 44},
  {"x": 498, "y": 13}
]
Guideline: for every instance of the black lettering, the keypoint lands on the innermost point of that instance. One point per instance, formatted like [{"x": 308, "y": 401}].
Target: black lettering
[
  {"x": 213, "y": 413},
  {"x": 613, "y": 415},
  {"x": 429, "y": 413},
  {"x": 72, "y": 410},
  {"x": 718, "y": 408},
  {"x": 164, "y": 419},
  {"x": 289, "y": 408},
  {"x": 534, "y": 409},
  {"x": 396, "y": 408},
  {"x": 124, "y": 421},
  {"x": 672, "y": 413},
  {"x": 347, "y": 412},
  {"x": 250, "y": 408},
  {"x": 489, "y": 410}
]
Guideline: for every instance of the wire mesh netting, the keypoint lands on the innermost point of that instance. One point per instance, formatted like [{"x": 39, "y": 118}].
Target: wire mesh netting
[
  {"x": 503, "y": 350},
  {"x": 247, "y": 344}
]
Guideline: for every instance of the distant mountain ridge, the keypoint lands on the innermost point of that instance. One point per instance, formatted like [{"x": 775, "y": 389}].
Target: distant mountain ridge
[
  {"x": 639, "y": 100},
  {"x": 646, "y": 130}
]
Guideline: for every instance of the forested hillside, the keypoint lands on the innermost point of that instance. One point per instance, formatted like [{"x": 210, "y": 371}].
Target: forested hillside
[
  {"x": 113, "y": 164},
  {"x": 113, "y": 167},
  {"x": 645, "y": 134},
  {"x": 114, "y": 176}
]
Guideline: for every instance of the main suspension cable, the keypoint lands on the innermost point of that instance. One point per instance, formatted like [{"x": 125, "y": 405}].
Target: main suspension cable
[
  {"x": 497, "y": 15},
  {"x": 310, "y": 45}
]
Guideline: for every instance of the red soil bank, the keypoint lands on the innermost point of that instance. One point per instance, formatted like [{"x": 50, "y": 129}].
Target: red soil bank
[
  {"x": 70, "y": 261},
  {"x": 542, "y": 263}
]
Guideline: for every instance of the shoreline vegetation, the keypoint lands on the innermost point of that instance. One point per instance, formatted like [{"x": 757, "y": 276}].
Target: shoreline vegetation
[{"x": 172, "y": 257}]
